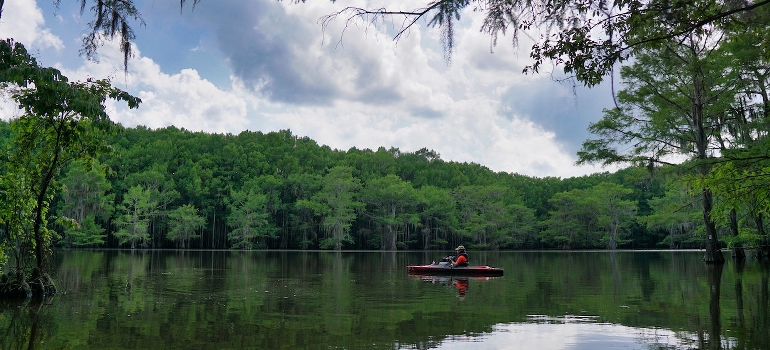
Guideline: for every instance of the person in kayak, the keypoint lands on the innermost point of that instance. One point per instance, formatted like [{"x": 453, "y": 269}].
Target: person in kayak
[{"x": 462, "y": 257}]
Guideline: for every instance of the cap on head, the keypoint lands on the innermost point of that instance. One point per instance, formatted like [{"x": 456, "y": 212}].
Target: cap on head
[{"x": 459, "y": 248}]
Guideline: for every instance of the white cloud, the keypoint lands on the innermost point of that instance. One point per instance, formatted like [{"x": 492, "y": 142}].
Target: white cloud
[
  {"x": 23, "y": 21},
  {"x": 367, "y": 91},
  {"x": 183, "y": 99}
]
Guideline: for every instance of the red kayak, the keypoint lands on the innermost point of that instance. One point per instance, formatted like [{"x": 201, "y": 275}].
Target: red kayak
[{"x": 444, "y": 268}]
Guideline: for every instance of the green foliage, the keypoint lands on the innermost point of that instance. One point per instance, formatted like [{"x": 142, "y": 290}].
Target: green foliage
[
  {"x": 438, "y": 218},
  {"x": 493, "y": 217},
  {"x": 291, "y": 204},
  {"x": 86, "y": 234},
  {"x": 746, "y": 239},
  {"x": 16, "y": 202},
  {"x": 678, "y": 214},
  {"x": 390, "y": 204},
  {"x": 590, "y": 218},
  {"x": 134, "y": 217},
  {"x": 662, "y": 109},
  {"x": 61, "y": 121},
  {"x": 571, "y": 224},
  {"x": 615, "y": 212},
  {"x": 336, "y": 202},
  {"x": 299, "y": 210},
  {"x": 184, "y": 225},
  {"x": 697, "y": 87},
  {"x": 679, "y": 98},
  {"x": 85, "y": 192},
  {"x": 301, "y": 188},
  {"x": 327, "y": 208},
  {"x": 248, "y": 217}
]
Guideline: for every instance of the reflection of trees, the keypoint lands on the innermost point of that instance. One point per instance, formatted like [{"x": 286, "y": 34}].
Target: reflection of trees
[
  {"x": 647, "y": 284},
  {"x": 763, "y": 312},
  {"x": 24, "y": 323},
  {"x": 750, "y": 332},
  {"x": 287, "y": 300},
  {"x": 714, "y": 340},
  {"x": 739, "y": 264}
]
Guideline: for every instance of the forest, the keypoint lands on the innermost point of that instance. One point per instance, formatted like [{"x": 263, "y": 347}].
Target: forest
[
  {"x": 174, "y": 188},
  {"x": 689, "y": 126}
]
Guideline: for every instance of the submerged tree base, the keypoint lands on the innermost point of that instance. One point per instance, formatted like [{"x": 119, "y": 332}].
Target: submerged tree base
[
  {"x": 763, "y": 253},
  {"x": 15, "y": 285},
  {"x": 714, "y": 257}
]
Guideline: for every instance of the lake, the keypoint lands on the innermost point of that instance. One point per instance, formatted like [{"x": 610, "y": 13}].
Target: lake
[{"x": 144, "y": 299}]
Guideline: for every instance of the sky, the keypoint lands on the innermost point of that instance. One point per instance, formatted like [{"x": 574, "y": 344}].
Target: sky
[{"x": 264, "y": 65}]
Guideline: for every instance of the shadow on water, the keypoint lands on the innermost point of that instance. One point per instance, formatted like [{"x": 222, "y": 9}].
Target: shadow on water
[{"x": 357, "y": 300}]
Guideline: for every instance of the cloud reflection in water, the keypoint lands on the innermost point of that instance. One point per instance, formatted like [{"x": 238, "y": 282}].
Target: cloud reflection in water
[{"x": 574, "y": 333}]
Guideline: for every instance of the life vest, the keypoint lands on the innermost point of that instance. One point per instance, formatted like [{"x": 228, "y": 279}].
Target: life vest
[{"x": 466, "y": 259}]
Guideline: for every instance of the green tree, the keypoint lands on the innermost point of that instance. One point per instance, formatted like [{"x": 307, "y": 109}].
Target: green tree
[
  {"x": 61, "y": 121},
  {"x": 84, "y": 191},
  {"x": 484, "y": 217},
  {"x": 391, "y": 205},
  {"x": 571, "y": 223},
  {"x": 16, "y": 202},
  {"x": 520, "y": 226},
  {"x": 744, "y": 142},
  {"x": 370, "y": 164},
  {"x": 336, "y": 202},
  {"x": 615, "y": 212},
  {"x": 674, "y": 97},
  {"x": 273, "y": 188},
  {"x": 248, "y": 217},
  {"x": 742, "y": 188},
  {"x": 84, "y": 197},
  {"x": 303, "y": 218},
  {"x": 134, "y": 221},
  {"x": 438, "y": 217},
  {"x": 86, "y": 233},
  {"x": 590, "y": 218},
  {"x": 678, "y": 214},
  {"x": 185, "y": 224},
  {"x": 159, "y": 182}
]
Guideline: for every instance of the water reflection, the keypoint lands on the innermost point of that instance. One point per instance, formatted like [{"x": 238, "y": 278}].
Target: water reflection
[
  {"x": 714, "y": 339},
  {"x": 460, "y": 283},
  {"x": 574, "y": 333},
  {"x": 357, "y": 300},
  {"x": 462, "y": 287},
  {"x": 24, "y": 322}
]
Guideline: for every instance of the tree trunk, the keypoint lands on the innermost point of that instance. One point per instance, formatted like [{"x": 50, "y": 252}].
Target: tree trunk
[
  {"x": 713, "y": 253},
  {"x": 763, "y": 251},
  {"x": 612, "y": 244},
  {"x": 37, "y": 227},
  {"x": 738, "y": 253},
  {"x": 391, "y": 232}
]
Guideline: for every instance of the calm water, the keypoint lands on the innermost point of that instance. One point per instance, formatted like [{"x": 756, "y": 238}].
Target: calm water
[{"x": 351, "y": 300}]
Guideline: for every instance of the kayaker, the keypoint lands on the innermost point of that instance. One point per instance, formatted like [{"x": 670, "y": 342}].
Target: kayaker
[{"x": 462, "y": 257}]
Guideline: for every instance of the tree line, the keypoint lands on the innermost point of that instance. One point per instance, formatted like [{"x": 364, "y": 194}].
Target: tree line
[
  {"x": 174, "y": 188},
  {"x": 691, "y": 123}
]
